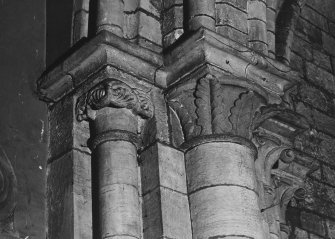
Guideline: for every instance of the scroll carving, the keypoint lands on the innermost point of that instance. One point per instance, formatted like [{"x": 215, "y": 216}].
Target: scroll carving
[
  {"x": 278, "y": 186},
  {"x": 117, "y": 94}
]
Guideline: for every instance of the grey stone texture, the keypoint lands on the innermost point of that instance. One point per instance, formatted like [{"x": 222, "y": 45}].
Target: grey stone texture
[{"x": 203, "y": 119}]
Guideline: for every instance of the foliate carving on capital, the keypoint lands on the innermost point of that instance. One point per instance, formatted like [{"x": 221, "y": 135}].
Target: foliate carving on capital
[
  {"x": 116, "y": 94},
  {"x": 213, "y": 108}
]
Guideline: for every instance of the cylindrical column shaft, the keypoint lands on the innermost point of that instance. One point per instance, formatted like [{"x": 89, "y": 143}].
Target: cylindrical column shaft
[
  {"x": 201, "y": 14},
  {"x": 222, "y": 191},
  {"x": 117, "y": 173},
  {"x": 110, "y": 16}
]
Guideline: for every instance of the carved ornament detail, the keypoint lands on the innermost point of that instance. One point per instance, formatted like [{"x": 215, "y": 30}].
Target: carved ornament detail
[
  {"x": 211, "y": 108},
  {"x": 277, "y": 184},
  {"x": 117, "y": 94}
]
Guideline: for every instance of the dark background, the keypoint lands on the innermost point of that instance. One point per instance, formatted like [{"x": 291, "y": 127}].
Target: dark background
[{"x": 23, "y": 118}]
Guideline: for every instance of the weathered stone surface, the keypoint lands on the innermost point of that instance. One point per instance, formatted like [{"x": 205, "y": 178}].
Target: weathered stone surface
[
  {"x": 213, "y": 90},
  {"x": 241, "y": 4},
  {"x": 320, "y": 77},
  {"x": 328, "y": 43},
  {"x": 66, "y": 131},
  {"x": 215, "y": 176},
  {"x": 227, "y": 15},
  {"x": 309, "y": 33},
  {"x": 314, "y": 17},
  {"x": 165, "y": 203},
  {"x": 69, "y": 196},
  {"x": 331, "y": 228},
  {"x": 312, "y": 223},
  {"x": 163, "y": 166},
  {"x": 232, "y": 33},
  {"x": 173, "y": 19},
  {"x": 152, "y": 6},
  {"x": 319, "y": 120},
  {"x": 300, "y": 234},
  {"x": 150, "y": 28}
]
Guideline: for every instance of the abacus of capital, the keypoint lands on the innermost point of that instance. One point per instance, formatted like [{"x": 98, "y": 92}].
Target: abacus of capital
[{"x": 195, "y": 144}]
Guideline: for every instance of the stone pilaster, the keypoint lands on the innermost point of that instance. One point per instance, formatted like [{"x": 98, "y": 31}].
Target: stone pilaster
[{"x": 113, "y": 108}]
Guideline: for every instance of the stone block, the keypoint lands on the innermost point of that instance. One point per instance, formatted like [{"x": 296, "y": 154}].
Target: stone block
[
  {"x": 257, "y": 30},
  {"x": 80, "y": 25},
  {"x": 169, "y": 3},
  {"x": 144, "y": 42},
  {"x": 322, "y": 60},
  {"x": 314, "y": 17},
  {"x": 331, "y": 228},
  {"x": 150, "y": 28},
  {"x": 175, "y": 214},
  {"x": 271, "y": 19},
  {"x": 326, "y": 8},
  {"x": 154, "y": 7},
  {"x": 163, "y": 166},
  {"x": 320, "y": 77},
  {"x": 130, "y": 28},
  {"x": 223, "y": 166},
  {"x": 312, "y": 223},
  {"x": 313, "y": 236},
  {"x": 316, "y": 98},
  {"x": 332, "y": 28},
  {"x": 300, "y": 234},
  {"x": 309, "y": 32},
  {"x": 66, "y": 132},
  {"x": 256, "y": 10},
  {"x": 173, "y": 19},
  {"x": 81, "y": 5},
  {"x": 166, "y": 215},
  {"x": 152, "y": 216},
  {"x": 330, "y": 193},
  {"x": 227, "y": 15},
  {"x": 240, "y": 4},
  {"x": 328, "y": 43},
  {"x": 296, "y": 62},
  {"x": 171, "y": 37},
  {"x": 328, "y": 175},
  {"x": 233, "y": 34},
  {"x": 319, "y": 120},
  {"x": 302, "y": 48},
  {"x": 69, "y": 197}
]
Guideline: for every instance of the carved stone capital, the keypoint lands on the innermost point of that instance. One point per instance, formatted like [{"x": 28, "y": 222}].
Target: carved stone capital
[
  {"x": 116, "y": 94},
  {"x": 212, "y": 107}
]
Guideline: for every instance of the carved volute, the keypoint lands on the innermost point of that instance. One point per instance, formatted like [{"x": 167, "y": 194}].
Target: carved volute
[{"x": 116, "y": 94}]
